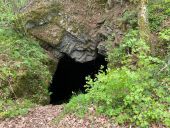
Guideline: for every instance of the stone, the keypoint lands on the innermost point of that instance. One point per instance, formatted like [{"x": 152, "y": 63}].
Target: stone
[
  {"x": 102, "y": 48},
  {"x": 73, "y": 28},
  {"x": 49, "y": 33},
  {"x": 76, "y": 49}
]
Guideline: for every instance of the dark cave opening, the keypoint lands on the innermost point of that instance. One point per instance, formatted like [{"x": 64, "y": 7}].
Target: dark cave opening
[{"x": 70, "y": 77}]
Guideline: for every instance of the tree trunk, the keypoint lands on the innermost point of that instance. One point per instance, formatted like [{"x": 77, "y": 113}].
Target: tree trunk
[{"x": 143, "y": 21}]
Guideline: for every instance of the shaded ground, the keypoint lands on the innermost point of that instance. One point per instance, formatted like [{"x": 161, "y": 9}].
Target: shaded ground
[{"x": 43, "y": 116}]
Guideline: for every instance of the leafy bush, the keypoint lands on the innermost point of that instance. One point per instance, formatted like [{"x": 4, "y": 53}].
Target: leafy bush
[
  {"x": 158, "y": 12},
  {"x": 132, "y": 52},
  {"x": 162, "y": 45},
  {"x": 129, "y": 19},
  {"x": 165, "y": 35},
  {"x": 136, "y": 96},
  {"x": 126, "y": 96}
]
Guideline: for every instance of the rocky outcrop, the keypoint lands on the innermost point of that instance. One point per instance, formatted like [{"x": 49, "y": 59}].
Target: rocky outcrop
[{"x": 76, "y": 28}]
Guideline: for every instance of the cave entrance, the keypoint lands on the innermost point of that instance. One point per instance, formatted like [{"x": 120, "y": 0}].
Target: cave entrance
[{"x": 70, "y": 77}]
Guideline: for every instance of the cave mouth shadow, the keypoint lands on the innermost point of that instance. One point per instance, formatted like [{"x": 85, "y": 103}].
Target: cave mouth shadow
[{"x": 70, "y": 77}]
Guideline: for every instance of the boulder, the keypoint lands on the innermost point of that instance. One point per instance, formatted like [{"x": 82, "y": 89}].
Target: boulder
[{"x": 74, "y": 27}]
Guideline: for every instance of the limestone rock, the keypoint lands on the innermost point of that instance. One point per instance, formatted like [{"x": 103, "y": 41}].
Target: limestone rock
[
  {"x": 102, "y": 48},
  {"x": 67, "y": 27},
  {"x": 79, "y": 49},
  {"x": 49, "y": 33}
]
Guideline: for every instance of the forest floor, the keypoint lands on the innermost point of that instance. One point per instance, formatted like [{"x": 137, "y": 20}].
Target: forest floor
[{"x": 44, "y": 116}]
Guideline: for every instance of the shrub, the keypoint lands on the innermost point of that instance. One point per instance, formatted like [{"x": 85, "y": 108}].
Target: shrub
[
  {"x": 158, "y": 12},
  {"x": 164, "y": 42},
  {"x": 136, "y": 96},
  {"x": 133, "y": 97},
  {"x": 129, "y": 19},
  {"x": 132, "y": 51}
]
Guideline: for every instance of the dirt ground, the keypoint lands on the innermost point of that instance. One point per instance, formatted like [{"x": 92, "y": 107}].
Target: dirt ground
[{"x": 43, "y": 117}]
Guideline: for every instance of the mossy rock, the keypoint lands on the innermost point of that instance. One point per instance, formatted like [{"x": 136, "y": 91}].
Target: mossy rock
[{"x": 48, "y": 20}]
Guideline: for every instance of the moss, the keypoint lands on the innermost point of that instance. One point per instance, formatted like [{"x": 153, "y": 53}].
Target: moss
[
  {"x": 38, "y": 13},
  {"x": 49, "y": 33},
  {"x": 72, "y": 26},
  {"x": 24, "y": 68}
]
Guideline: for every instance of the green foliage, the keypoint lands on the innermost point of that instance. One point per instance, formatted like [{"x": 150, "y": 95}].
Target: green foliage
[
  {"x": 11, "y": 108},
  {"x": 132, "y": 52},
  {"x": 8, "y": 10},
  {"x": 24, "y": 71},
  {"x": 158, "y": 12},
  {"x": 130, "y": 18},
  {"x": 165, "y": 35},
  {"x": 144, "y": 106},
  {"x": 163, "y": 43},
  {"x": 104, "y": 91},
  {"x": 133, "y": 97},
  {"x": 24, "y": 66},
  {"x": 135, "y": 93}
]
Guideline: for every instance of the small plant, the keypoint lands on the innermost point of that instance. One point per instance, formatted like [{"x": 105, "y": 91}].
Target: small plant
[
  {"x": 163, "y": 45},
  {"x": 129, "y": 19},
  {"x": 8, "y": 10},
  {"x": 11, "y": 108},
  {"x": 165, "y": 35},
  {"x": 132, "y": 52}
]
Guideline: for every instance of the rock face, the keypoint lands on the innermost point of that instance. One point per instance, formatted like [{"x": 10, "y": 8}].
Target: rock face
[{"x": 73, "y": 27}]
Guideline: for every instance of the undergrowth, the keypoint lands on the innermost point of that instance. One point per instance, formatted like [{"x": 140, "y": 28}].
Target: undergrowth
[
  {"x": 11, "y": 108},
  {"x": 159, "y": 11},
  {"x": 24, "y": 71},
  {"x": 135, "y": 93},
  {"x": 24, "y": 67},
  {"x": 135, "y": 89}
]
